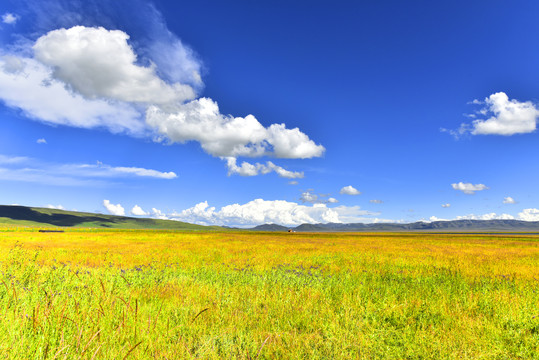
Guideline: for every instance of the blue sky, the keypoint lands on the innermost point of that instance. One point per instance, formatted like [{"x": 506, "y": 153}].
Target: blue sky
[{"x": 241, "y": 113}]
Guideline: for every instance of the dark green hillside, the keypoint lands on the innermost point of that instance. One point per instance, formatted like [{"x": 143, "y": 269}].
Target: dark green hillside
[{"x": 30, "y": 216}]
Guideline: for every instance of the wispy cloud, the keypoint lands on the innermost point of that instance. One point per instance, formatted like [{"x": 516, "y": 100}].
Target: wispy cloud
[{"x": 18, "y": 168}]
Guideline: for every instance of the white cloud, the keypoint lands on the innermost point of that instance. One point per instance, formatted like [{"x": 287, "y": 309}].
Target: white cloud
[
  {"x": 119, "y": 170},
  {"x": 158, "y": 214},
  {"x": 57, "y": 207},
  {"x": 9, "y": 18},
  {"x": 137, "y": 210},
  {"x": 376, "y": 201},
  {"x": 103, "y": 170},
  {"x": 27, "y": 85},
  {"x": 248, "y": 169},
  {"x": 293, "y": 182},
  {"x": 349, "y": 190},
  {"x": 446, "y": 205},
  {"x": 435, "y": 218},
  {"x": 91, "y": 77},
  {"x": 41, "y": 141},
  {"x": 489, "y": 216},
  {"x": 18, "y": 168},
  {"x": 468, "y": 188},
  {"x": 99, "y": 63},
  {"x": 114, "y": 209},
  {"x": 40, "y": 176},
  {"x": 529, "y": 214},
  {"x": 4, "y": 159},
  {"x": 228, "y": 136},
  {"x": 507, "y": 117},
  {"x": 509, "y": 200},
  {"x": 261, "y": 211},
  {"x": 308, "y": 197}
]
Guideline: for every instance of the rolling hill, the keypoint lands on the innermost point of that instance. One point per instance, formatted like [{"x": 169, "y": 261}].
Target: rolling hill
[{"x": 44, "y": 217}]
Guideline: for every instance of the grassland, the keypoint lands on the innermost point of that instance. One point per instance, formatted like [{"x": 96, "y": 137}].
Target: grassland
[
  {"x": 44, "y": 217},
  {"x": 118, "y": 294}
]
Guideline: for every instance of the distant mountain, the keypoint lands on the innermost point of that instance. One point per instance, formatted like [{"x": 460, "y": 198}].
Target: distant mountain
[
  {"x": 444, "y": 226},
  {"x": 44, "y": 217},
  {"x": 270, "y": 227}
]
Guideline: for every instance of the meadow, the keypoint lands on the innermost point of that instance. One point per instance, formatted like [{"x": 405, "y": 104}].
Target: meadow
[{"x": 119, "y": 294}]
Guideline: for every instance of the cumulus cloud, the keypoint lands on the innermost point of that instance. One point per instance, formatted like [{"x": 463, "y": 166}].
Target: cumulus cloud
[
  {"x": 509, "y": 117},
  {"x": 509, "y": 200},
  {"x": 92, "y": 77},
  {"x": 26, "y": 84},
  {"x": 41, "y": 141},
  {"x": 227, "y": 136},
  {"x": 114, "y": 209},
  {"x": 506, "y": 117},
  {"x": 489, "y": 216},
  {"x": 375, "y": 201},
  {"x": 99, "y": 63},
  {"x": 137, "y": 210},
  {"x": 332, "y": 200},
  {"x": 349, "y": 190},
  {"x": 158, "y": 214},
  {"x": 446, "y": 205},
  {"x": 73, "y": 66},
  {"x": 261, "y": 211},
  {"x": 435, "y": 218},
  {"x": 57, "y": 207},
  {"x": 529, "y": 214},
  {"x": 9, "y": 18},
  {"x": 468, "y": 188},
  {"x": 248, "y": 169}
]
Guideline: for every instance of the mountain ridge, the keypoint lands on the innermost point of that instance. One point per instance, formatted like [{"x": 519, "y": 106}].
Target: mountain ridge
[
  {"x": 442, "y": 225},
  {"x": 46, "y": 217}
]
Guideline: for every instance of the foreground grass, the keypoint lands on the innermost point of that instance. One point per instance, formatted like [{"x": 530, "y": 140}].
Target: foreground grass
[{"x": 173, "y": 295}]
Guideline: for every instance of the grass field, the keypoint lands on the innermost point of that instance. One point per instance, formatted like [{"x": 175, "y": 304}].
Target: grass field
[{"x": 117, "y": 294}]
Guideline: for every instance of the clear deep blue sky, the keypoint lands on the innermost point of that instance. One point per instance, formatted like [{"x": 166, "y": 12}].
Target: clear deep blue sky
[{"x": 387, "y": 88}]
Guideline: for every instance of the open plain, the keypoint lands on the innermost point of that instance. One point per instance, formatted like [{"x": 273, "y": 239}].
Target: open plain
[{"x": 116, "y": 294}]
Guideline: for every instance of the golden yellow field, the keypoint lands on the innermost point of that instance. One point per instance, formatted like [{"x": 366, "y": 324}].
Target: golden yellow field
[{"x": 245, "y": 295}]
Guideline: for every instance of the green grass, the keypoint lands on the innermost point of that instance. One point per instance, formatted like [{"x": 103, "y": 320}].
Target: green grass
[
  {"x": 267, "y": 296},
  {"x": 44, "y": 217}
]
